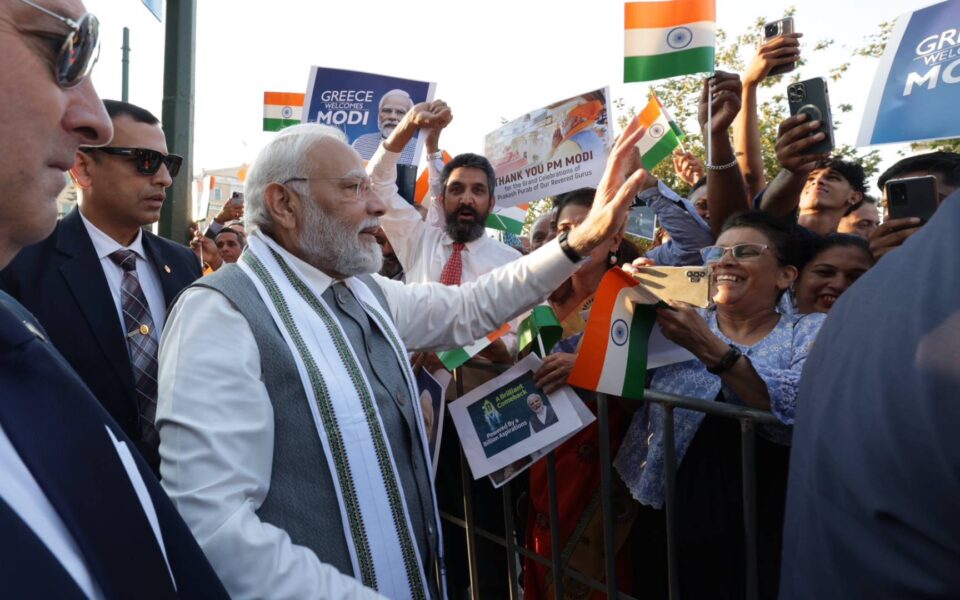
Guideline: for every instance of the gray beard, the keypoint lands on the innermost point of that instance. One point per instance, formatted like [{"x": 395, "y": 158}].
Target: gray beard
[
  {"x": 465, "y": 232},
  {"x": 330, "y": 246}
]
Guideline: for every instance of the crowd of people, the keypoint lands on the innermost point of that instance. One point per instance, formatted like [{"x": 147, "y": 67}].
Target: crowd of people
[{"x": 239, "y": 417}]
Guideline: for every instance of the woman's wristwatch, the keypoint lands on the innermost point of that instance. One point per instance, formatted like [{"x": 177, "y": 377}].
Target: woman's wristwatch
[{"x": 728, "y": 360}]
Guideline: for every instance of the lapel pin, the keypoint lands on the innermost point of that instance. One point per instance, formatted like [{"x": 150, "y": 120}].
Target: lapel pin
[
  {"x": 166, "y": 268},
  {"x": 144, "y": 329}
]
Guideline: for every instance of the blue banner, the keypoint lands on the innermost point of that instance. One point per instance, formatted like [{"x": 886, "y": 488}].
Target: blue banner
[
  {"x": 155, "y": 7},
  {"x": 915, "y": 92},
  {"x": 364, "y": 106}
]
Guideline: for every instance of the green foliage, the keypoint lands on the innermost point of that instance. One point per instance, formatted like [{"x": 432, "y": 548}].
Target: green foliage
[{"x": 681, "y": 96}]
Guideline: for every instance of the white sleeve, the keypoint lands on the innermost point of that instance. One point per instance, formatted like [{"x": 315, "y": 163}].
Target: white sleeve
[
  {"x": 216, "y": 447},
  {"x": 432, "y": 316},
  {"x": 401, "y": 221}
]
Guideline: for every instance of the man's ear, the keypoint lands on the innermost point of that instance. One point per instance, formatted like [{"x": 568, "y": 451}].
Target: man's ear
[
  {"x": 855, "y": 198},
  {"x": 281, "y": 206},
  {"x": 80, "y": 172},
  {"x": 493, "y": 202}
]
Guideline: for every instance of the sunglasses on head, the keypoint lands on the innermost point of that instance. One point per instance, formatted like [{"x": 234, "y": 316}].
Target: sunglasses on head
[
  {"x": 79, "y": 50},
  {"x": 147, "y": 161}
]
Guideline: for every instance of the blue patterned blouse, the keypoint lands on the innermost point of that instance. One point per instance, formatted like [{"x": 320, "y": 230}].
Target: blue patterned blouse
[{"x": 777, "y": 358}]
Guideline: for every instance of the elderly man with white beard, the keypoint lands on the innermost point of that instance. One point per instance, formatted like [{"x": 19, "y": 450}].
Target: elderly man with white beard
[{"x": 292, "y": 442}]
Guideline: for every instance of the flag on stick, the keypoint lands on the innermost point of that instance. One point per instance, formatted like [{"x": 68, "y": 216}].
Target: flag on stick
[
  {"x": 452, "y": 359},
  {"x": 508, "y": 219},
  {"x": 613, "y": 355},
  {"x": 542, "y": 322},
  {"x": 662, "y": 134},
  {"x": 281, "y": 109},
  {"x": 666, "y": 39}
]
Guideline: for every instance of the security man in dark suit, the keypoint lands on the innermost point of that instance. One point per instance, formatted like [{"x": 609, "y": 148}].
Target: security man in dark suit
[
  {"x": 99, "y": 284},
  {"x": 81, "y": 515}
]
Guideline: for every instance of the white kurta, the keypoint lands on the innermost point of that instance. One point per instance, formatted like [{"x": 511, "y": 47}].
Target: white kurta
[{"x": 216, "y": 420}]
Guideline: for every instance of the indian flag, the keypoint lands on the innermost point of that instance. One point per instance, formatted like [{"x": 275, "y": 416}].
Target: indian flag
[
  {"x": 661, "y": 137},
  {"x": 508, "y": 219},
  {"x": 613, "y": 356},
  {"x": 666, "y": 39},
  {"x": 542, "y": 323},
  {"x": 281, "y": 109},
  {"x": 452, "y": 359}
]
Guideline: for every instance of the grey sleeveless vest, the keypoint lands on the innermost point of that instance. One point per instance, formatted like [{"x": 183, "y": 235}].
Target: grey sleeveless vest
[{"x": 302, "y": 499}]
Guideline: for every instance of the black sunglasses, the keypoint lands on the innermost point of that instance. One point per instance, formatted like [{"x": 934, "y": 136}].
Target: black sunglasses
[
  {"x": 147, "y": 161},
  {"x": 79, "y": 50}
]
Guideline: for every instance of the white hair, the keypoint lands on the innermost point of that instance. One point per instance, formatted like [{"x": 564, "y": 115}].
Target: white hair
[
  {"x": 284, "y": 158},
  {"x": 396, "y": 92}
]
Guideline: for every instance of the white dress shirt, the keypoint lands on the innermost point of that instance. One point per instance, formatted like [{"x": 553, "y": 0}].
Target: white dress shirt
[
  {"x": 104, "y": 245},
  {"x": 424, "y": 248},
  {"x": 216, "y": 420}
]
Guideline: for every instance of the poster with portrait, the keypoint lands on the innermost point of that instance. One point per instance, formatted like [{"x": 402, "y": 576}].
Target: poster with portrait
[
  {"x": 509, "y": 418},
  {"x": 433, "y": 388},
  {"x": 558, "y": 148},
  {"x": 365, "y": 106}
]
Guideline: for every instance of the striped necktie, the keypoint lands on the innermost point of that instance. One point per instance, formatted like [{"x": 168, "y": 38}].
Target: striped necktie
[
  {"x": 142, "y": 343},
  {"x": 453, "y": 270}
]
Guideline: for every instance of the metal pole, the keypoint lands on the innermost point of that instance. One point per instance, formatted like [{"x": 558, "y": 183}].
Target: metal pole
[
  {"x": 125, "y": 61},
  {"x": 606, "y": 494},
  {"x": 748, "y": 464},
  {"x": 179, "y": 70},
  {"x": 670, "y": 493},
  {"x": 555, "y": 542},
  {"x": 509, "y": 536},
  {"x": 465, "y": 481}
]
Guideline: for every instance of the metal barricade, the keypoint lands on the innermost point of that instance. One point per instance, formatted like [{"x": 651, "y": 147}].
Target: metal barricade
[{"x": 748, "y": 418}]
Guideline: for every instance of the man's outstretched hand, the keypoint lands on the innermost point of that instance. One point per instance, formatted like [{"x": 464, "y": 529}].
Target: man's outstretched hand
[{"x": 614, "y": 195}]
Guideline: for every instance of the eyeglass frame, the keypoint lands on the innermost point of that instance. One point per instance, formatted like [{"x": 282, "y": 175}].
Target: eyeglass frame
[
  {"x": 76, "y": 27},
  {"x": 360, "y": 190},
  {"x": 133, "y": 152},
  {"x": 732, "y": 250}
]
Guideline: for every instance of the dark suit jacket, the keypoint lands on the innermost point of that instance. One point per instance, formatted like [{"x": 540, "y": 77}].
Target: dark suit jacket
[
  {"x": 59, "y": 431},
  {"x": 61, "y": 282},
  {"x": 875, "y": 465}
]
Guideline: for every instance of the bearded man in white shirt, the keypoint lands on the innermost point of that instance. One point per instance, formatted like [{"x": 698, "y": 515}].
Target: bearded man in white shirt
[{"x": 301, "y": 468}]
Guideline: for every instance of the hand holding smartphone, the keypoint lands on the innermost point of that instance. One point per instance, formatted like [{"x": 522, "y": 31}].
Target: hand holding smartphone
[
  {"x": 810, "y": 98},
  {"x": 773, "y": 30},
  {"x": 912, "y": 197}
]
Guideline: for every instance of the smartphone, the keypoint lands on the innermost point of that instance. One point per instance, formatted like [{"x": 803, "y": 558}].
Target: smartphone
[
  {"x": 912, "y": 197},
  {"x": 810, "y": 97},
  {"x": 236, "y": 199},
  {"x": 775, "y": 29}
]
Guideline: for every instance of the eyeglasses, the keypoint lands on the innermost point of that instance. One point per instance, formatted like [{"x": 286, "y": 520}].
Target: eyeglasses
[
  {"x": 79, "y": 50},
  {"x": 361, "y": 187},
  {"x": 147, "y": 161},
  {"x": 744, "y": 252}
]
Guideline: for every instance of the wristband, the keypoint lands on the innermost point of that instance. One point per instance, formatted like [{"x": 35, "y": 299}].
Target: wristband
[
  {"x": 565, "y": 246},
  {"x": 438, "y": 155},
  {"x": 727, "y": 362},
  {"x": 729, "y": 165}
]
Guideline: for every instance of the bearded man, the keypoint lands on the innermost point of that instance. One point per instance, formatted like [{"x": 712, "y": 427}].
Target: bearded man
[{"x": 292, "y": 442}]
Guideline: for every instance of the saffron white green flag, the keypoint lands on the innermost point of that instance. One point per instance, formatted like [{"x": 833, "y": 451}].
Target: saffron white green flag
[
  {"x": 666, "y": 39},
  {"x": 281, "y": 109},
  {"x": 662, "y": 134},
  {"x": 613, "y": 355},
  {"x": 508, "y": 219},
  {"x": 452, "y": 359}
]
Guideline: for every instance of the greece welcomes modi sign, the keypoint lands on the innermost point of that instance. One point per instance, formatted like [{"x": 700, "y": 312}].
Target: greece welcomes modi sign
[{"x": 915, "y": 92}]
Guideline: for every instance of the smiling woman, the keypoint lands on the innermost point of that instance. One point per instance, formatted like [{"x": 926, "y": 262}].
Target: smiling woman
[
  {"x": 828, "y": 266},
  {"x": 748, "y": 353}
]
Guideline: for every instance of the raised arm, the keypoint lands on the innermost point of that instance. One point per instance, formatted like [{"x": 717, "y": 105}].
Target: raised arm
[
  {"x": 726, "y": 192},
  {"x": 782, "y": 196}
]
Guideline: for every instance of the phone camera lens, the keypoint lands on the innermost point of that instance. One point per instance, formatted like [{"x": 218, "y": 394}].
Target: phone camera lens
[{"x": 771, "y": 30}]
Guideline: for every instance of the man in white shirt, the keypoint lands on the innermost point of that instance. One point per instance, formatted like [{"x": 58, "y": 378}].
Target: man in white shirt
[
  {"x": 302, "y": 467},
  {"x": 81, "y": 516},
  {"x": 100, "y": 284}
]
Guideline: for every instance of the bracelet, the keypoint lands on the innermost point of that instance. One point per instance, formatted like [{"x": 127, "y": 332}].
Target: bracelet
[
  {"x": 729, "y": 359},
  {"x": 729, "y": 165},
  {"x": 438, "y": 155}
]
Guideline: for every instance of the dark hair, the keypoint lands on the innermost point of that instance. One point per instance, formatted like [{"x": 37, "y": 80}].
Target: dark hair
[
  {"x": 851, "y": 171},
  {"x": 469, "y": 161},
  {"x": 241, "y": 239},
  {"x": 946, "y": 164},
  {"x": 809, "y": 249},
  {"x": 579, "y": 197},
  {"x": 867, "y": 199},
  {"x": 780, "y": 234},
  {"x": 117, "y": 108},
  {"x": 699, "y": 184}
]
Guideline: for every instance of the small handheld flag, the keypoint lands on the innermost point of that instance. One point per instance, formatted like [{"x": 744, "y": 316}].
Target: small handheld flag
[
  {"x": 666, "y": 39},
  {"x": 281, "y": 109},
  {"x": 542, "y": 322},
  {"x": 452, "y": 359},
  {"x": 662, "y": 134}
]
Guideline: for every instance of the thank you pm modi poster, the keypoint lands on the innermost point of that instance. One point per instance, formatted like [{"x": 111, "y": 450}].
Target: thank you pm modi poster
[
  {"x": 551, "y": 150},
  {"x": 365, "y": 106},
  {"x": 917, "y": 87}
]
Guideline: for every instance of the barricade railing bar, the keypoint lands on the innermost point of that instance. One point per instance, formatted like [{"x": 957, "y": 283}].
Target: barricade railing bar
[{"x": 515, "y": 550}]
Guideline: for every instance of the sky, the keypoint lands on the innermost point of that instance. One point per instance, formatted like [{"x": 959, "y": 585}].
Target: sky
[{"x": 491, "y": 61}]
